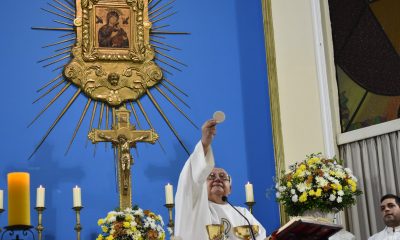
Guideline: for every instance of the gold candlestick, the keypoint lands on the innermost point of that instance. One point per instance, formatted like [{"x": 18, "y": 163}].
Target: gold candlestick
[
  {"x": 170, "y": 206},
  {"x": 78, "y": 226},
  {"x": 40, "y": 227},
  {"x": 250, "y": 206}
]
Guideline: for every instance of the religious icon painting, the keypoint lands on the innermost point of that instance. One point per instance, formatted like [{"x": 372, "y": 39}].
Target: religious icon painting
[
  {"x": 114, "y": 53},
  {"x": 112, "y": 27}
]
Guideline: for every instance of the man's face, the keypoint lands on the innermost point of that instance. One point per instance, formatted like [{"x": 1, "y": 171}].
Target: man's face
[
  {"x": 218, "y": 184},
  {"x": 390, "y": 212}
]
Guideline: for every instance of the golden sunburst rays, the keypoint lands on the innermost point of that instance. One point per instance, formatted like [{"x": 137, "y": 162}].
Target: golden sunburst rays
[{"x": 103, "y": 115}]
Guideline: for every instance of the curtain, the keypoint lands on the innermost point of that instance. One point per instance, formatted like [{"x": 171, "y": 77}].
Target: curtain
[{"x": 376, "y": 163}]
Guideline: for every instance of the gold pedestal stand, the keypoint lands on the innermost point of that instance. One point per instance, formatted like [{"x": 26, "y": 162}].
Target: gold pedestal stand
[
  {"x": 78, "y": 226},
  {"x": 170, "y": 206},
  {"x": 40, "y": 227},
  {"x": 250, "y": 206}
]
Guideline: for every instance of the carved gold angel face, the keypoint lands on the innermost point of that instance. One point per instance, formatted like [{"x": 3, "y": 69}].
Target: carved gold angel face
[{"x": 113, "y": 79}]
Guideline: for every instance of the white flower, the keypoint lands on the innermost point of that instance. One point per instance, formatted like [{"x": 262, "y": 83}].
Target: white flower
[
  {"x": 339, "y": 199},
  {"x": 152, "y": 225},
  {"x": 292, "y": 191},
  {"x": 278, "y": 194},
  {"x": 295, "y": 198},
  {"x": 322, "y": 182},
  {"x": 161, "y": 220},
  {"x": 301, "y": 187},
  {"x": 340, "y": 193},
  {"x": 332, "y": 197},
  {"x": 282, "y": 188},
  {"x": 348, "y": 171},
  {"x": 111, "y": 219},
  {"x": 340, "y": 174}
]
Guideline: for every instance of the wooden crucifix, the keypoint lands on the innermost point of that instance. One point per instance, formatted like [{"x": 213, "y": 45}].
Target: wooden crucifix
[{"x": 123, "y": 137}]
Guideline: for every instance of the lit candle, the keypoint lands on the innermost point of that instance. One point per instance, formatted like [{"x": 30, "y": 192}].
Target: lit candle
[
  {"x": 249, "y": 192},
  {"x": 18, "y": 199},
  {"x": 1, "y": 199},
  {"x": 40, "y": 196},
  {"x": 169, "y": 194},
  {"x": 77, "y": 196}
]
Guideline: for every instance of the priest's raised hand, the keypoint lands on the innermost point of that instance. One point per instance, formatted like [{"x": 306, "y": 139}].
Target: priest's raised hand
[{"x": 208, "y": 131}]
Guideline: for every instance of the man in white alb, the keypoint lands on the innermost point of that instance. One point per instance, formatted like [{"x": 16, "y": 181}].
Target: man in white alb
[
  {"x": 390, "y": 208},
  {"x": 199, "y": 195}
]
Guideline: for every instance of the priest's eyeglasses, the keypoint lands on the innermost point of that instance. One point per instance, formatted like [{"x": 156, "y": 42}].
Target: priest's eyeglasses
[{"x": 222, "y": 176}]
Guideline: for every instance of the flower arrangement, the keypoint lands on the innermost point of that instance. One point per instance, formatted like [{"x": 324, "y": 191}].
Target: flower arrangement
[
  {"x": 131, "y": 224},
  {"x": 316, "y": 183}
]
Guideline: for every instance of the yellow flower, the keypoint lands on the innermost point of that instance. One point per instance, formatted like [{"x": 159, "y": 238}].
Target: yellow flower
[
  {"x": 303, "y": 197},
  {"x": 100, "y": 237},
  {"x": 162, "y": 237},
  {"x": 298, "y": 173},
  {"x": 289, "y": 184},
  {"x": 129, "y": 218},
  {"x": 311, "y": 192},
  {"x": 316, "y": 159},
  {"x": 302, "y": 167},
  {"x": 318, "y": 192},
  {"x": 313, "y": 160},
  {"x": 351, "y": 182},
  {"x": 110, "y": 237},
  {"x": 104, "y": 228},
  {"x": 100, "y": 221},
  {"x": 127, "y": 224},
  {"x": 133, "y": 229}
]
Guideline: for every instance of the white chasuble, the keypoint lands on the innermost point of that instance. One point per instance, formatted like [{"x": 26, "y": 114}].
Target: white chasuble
[
  {"x": 193, "y": 210},
  {"x": 387, "y": 234}
]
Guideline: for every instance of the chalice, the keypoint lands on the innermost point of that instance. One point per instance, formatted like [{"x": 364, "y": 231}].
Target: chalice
[
  {"x": 215, "y": 231},
  {"x": 243, "y": 232}
]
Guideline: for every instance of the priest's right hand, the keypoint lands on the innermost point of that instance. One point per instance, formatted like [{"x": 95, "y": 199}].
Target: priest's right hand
[{"x": 208, "y": 131}]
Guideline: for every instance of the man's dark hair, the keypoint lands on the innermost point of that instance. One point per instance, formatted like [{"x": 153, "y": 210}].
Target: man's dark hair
[{"x": 387, "y": 196}]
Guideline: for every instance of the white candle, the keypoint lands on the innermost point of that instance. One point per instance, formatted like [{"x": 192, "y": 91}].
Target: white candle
[
  {"x": 1, "y": 199},
  {"x": 40, "y": 191},
  {"x": 169, "y": 194},
  {"x": 249, "y": 192},
  {"x": 77, "y": 196}
]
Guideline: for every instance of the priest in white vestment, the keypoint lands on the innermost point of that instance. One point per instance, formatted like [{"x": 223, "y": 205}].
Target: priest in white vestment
[{"x": 199, "y": 195}]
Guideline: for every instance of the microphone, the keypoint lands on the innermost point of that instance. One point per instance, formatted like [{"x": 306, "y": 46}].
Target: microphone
[{"x": 225, "y": 199}]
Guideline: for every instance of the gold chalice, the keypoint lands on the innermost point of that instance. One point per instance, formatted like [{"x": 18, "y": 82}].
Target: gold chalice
[
  {"x": 215, "y": 231},
  {"x": 243, "y": 232}
]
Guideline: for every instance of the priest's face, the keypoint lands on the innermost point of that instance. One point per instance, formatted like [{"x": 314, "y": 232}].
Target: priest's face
[
  {"x": 218, "y": 185},
  {"x": 390, "y": 212}
]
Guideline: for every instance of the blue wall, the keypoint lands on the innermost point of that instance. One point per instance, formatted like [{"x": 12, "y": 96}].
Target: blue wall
[{"x": 227, "y": 71}]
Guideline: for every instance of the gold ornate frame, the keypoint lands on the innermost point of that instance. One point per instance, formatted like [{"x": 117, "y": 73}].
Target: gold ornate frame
[
  {"x": 138, "y": 26},
  {"x": 113, "y": 74}
]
